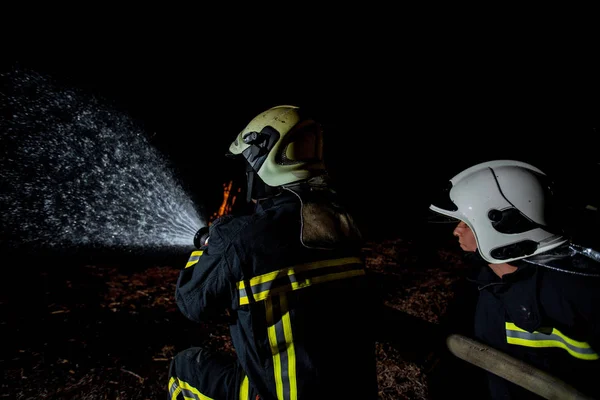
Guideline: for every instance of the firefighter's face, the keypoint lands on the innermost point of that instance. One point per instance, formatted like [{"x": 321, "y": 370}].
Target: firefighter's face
[{"x": 466, "y": 238}]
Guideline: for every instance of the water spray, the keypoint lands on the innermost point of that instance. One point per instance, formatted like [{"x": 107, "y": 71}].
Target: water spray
[{"x": 76, "y": 172}]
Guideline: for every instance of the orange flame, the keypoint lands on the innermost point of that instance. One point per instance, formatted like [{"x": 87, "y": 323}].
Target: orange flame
[{"x": 227, "y": 203}]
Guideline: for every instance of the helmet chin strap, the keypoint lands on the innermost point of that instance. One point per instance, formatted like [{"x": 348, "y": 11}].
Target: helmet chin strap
[
  {"x": 257, "y": 189},
  {"x": 250, "y": 182}
]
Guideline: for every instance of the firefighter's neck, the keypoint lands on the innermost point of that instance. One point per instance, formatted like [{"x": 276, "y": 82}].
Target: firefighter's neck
[{"x": 502, "y": 269}]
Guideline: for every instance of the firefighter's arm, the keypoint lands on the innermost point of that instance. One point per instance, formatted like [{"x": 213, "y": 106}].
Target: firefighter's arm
[
  {"x": 591, "y": 306},
  {"x": 203, "y": 286},
  {"x": 579, "y": 300}
]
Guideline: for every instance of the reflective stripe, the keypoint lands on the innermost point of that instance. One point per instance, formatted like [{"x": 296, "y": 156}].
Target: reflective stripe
[
  {"x": 194, "y": 258},
  {"x": 244, "y": 389},
  {"x": 177, "y": 386},
  {"x": 174, "y": 389},
  {"x": 289, "y": 340},
  {"x": 299, "y": 277},
  {"x": 520, "y": 337},
  {"x": 279, "y": 329}
]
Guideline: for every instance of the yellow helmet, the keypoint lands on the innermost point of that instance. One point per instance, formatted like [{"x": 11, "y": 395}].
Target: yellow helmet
[{"x": 281, "y": 146}]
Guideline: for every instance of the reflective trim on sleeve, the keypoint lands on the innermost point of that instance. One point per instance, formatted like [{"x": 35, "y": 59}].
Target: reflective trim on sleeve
[
  {"x": 300, "y": 277},
  {"x": 177, "y": 386},
  {"x": 174, "y": 389},
  {"x": 194, "y": 258},
  {"x": 520, "y": 337}
]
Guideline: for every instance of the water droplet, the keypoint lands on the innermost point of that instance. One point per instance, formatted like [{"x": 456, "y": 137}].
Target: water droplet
[{"x": 80, "y": 173}]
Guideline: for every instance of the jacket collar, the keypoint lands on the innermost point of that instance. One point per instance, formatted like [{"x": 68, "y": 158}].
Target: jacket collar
[
  {"x": 281, "y": 198},
  {"x": 518, "y": 291}
]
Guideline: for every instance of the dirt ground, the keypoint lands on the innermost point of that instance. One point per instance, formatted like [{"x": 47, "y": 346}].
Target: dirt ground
[{"x": 108, "y": 331}]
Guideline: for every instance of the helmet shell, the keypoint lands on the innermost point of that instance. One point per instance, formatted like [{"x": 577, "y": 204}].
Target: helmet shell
[
  {"x": 504, "y": 202},
  {"x": 281, "y": 146}
]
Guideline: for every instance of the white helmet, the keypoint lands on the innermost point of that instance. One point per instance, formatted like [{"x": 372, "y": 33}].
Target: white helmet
[{"x": 505, "y": 203}]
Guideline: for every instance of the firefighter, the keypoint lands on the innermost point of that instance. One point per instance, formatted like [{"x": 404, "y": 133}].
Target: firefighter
[
  {"x": 290, "y": 275},
  {"x": 538, "y": 291}
]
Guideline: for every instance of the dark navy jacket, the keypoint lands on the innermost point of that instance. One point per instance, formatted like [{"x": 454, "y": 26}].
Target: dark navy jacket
[
  {"x": 302, "y": 327},
  {"x": 546, "y": 317}
]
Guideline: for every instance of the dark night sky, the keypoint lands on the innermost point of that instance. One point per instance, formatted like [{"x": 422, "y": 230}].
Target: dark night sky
[{"x": 392, "y": 134}]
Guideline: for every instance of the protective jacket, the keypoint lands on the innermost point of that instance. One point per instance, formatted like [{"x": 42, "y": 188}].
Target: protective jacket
[
  {"x": 301, "y": 309},
  {"x": 546, "y": 313}
]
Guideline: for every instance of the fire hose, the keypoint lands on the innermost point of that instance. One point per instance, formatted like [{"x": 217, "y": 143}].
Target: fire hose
[{"x": 512, "y": 369}]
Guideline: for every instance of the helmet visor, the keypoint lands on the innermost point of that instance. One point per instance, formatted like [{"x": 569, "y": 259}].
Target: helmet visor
[
  {"x": 442, "y": 201},
  {"x": 434, "y": 217}
]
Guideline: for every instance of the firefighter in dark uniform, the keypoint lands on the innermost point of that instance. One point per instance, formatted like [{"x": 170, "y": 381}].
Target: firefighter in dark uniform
[
  {"x": 539, "y": 293},
  {"x": 290, "y": 275}
]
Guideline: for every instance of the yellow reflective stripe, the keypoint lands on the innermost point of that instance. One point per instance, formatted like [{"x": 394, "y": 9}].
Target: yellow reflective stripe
[
  {"x": 299, "y": 268},
  {"x": 291, "y": 286},
  {"x": 174, "y": 390},
  {"x": 556, "y": 339},
  {"x": 194, "y": 258},
  {"x": 176, "y": 393},
  {"x": 583, "y": 345},
  {"x": 281, "y": 341},
  {"x": 550, "y": 343},
  {"x": 272, "y": 333},
  {"x": 188, "y": 391},
  {"x": 244, "y": 389},
  {"x": 291, "y": 278},
  {"x": 289, "y": 340}
]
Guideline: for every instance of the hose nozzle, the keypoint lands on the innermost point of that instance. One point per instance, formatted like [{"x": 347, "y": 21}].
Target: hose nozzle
[{"x": 201, "y": 237}]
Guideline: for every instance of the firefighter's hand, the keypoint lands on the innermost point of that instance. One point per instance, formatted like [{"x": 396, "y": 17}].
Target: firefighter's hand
[
  {"x": 220, "y": 220},
  {"x": 210, "y": 229}
]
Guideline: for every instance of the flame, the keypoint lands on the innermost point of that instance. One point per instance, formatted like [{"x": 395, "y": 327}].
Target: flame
[{"x": 227, "y": 203}]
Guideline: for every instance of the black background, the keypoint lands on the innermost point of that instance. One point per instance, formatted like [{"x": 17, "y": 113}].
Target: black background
[{"x": 394, "y": 132}]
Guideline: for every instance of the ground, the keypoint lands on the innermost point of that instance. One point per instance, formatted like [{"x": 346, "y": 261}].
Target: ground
[{"x": 109, "y": 331}]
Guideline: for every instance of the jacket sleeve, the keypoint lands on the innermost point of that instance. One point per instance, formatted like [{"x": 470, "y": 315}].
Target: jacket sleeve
[
  {"x": 586, "y": 303},
  {"x": 204, "y": 285},
  {"x": 575, "y": 299}
]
